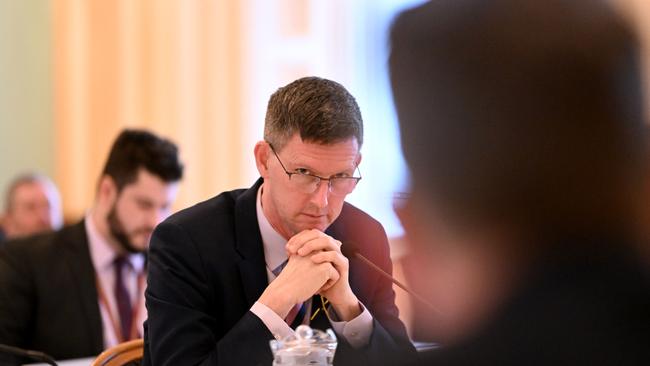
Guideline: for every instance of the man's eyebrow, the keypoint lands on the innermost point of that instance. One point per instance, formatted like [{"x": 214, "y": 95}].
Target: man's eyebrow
[{"x": 350, "y": 170}]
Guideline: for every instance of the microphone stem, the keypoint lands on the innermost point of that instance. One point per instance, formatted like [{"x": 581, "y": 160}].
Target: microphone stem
[
  {"x": 32, "y": 355},
  {"x": 396, "y": 282}
]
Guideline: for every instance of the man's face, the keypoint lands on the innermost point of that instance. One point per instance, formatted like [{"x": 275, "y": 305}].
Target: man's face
[
  {"x": 138, "y": 208},
  {"x": 291, "y": 210},
  {"x": 34, "y": 209}
]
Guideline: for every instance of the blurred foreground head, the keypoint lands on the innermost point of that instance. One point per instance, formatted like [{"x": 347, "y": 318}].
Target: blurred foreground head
[{"x": 521, "y": 124}]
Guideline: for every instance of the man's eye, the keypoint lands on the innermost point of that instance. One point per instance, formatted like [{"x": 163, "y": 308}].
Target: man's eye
[
  {"x": 302, "y": 171},
  {"x": 145, "y": 205}
]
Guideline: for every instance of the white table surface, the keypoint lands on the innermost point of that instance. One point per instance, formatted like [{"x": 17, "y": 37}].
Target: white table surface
[{"x": 77, "y": 362}]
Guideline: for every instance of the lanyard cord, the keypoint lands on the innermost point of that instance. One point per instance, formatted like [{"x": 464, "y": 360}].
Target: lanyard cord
[{"x": 134, "y": 311}]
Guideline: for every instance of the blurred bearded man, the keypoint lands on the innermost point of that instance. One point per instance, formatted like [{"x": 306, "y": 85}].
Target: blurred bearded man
[{"x": 77, "y": 291}]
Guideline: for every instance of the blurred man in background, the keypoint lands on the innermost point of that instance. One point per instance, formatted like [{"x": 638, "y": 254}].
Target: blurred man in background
[
  {"x": 32, "y": 206},
  {"x": 522, "y": 126},
  {"x": 77, "y": 291}
]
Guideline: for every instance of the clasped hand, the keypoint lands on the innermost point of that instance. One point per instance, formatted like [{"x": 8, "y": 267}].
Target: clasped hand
[{"x": 316, "y": 266}]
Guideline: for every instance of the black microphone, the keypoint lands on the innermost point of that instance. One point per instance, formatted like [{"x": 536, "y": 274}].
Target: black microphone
[
  {"x": 351, "y": 251},
  {"x": 25, "y": 353}
]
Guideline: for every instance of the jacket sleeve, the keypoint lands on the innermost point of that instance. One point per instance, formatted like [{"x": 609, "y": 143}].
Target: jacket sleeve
[
  {"x": 16, "y": 294},
  {"x": 181, "y": 328}
]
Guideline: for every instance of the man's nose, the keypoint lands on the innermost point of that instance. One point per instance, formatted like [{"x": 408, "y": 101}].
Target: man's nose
[
  {"x": 155, "y": 217},
  {"x": 320, "y": 197}
]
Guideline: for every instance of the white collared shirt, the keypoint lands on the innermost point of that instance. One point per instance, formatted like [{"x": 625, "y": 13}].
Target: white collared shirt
[
  {"x": 356, "y": 331},
  {"x": 102, "y": 256}
]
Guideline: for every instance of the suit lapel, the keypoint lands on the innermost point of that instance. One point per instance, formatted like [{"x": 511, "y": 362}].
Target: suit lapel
[
  {"x": 252, "y": 267},
  {"x": 83, "y": 275}
]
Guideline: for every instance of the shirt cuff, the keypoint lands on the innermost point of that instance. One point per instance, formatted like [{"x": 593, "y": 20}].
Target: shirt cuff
[
  {"x": 273, "y": 322},
  {"x": 356, "y": 331}
]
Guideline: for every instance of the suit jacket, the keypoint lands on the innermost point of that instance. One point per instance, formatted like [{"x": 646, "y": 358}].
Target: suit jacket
[
  {"x": 586, "y": 307},
  {"x": 48, "y": 298},
  {"x": 207, "y": 268}
]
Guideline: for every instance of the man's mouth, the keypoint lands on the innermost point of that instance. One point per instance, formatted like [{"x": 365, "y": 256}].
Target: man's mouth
[{"x": 314, "y": 216}]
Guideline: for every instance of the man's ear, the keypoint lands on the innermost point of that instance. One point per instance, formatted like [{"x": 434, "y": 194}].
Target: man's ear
[
  {"x": 415, "y": 220},
  {"x": 404, "y": 211},
  {"x": 107, "y": 191},
  {"x": 262, "y": 152}
]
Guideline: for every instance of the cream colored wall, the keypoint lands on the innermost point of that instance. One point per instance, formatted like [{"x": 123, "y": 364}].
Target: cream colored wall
[
  {"x": 171, "y": 66},
  {"x": 26, "y": 129}
]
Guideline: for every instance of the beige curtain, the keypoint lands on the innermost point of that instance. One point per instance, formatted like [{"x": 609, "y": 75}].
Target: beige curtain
[{"x": 172, "y": 66}]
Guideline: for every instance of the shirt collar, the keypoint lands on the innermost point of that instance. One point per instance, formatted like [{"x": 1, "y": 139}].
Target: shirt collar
[
  {"x": 274, "y": 244},
  {"x": 101, "y": 252}
]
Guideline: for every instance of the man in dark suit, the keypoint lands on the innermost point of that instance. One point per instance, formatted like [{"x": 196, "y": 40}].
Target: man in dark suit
[
  {"x": 232, "y": 273},
  {"x": 522, "y": 126},
  {"x": 76, "y": 291}
]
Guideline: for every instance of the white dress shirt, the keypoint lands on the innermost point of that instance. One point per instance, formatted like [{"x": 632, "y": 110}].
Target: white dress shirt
[
  {"x": 356, "y": 331},
  {"x": 102, "y": 256}
]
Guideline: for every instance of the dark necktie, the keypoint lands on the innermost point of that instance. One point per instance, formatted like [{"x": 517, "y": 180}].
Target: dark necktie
[{"x": 122, "y": 299}]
